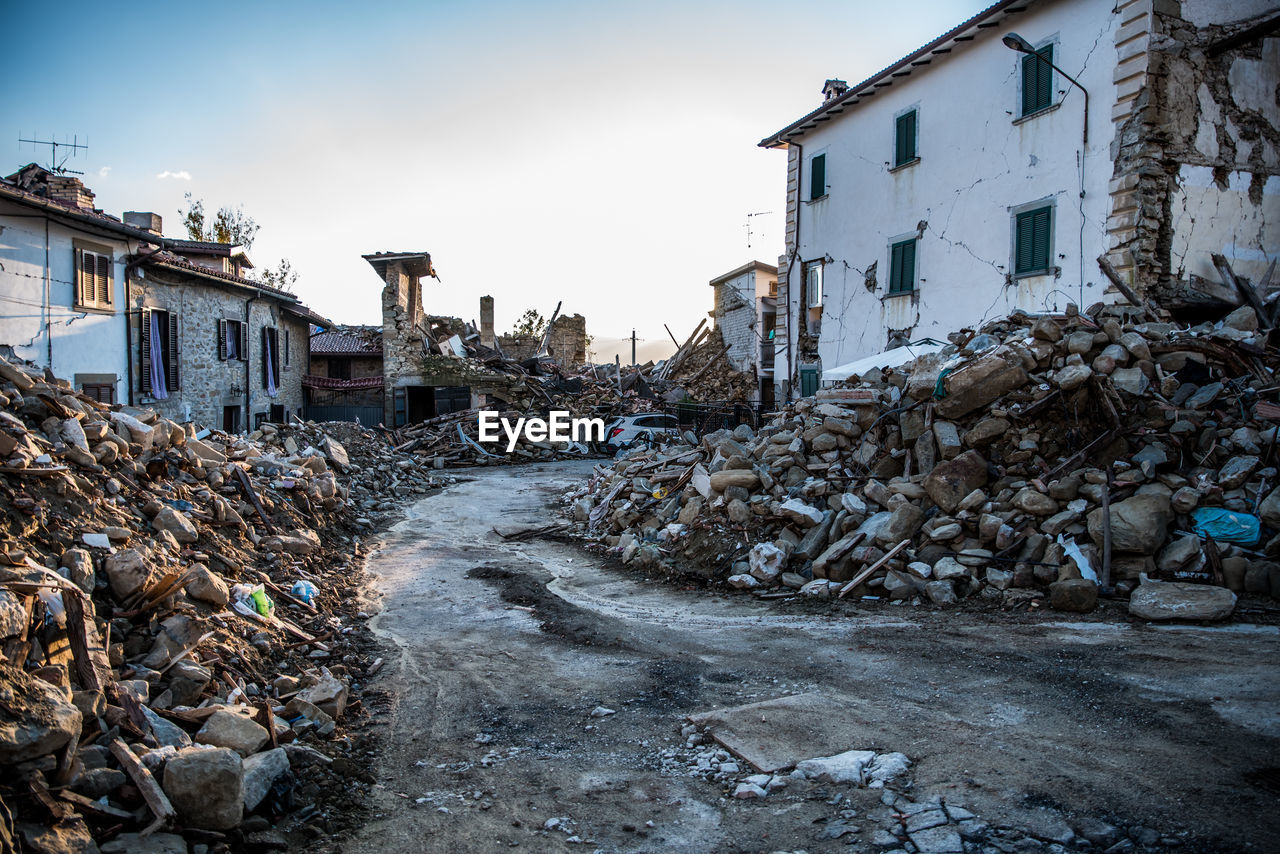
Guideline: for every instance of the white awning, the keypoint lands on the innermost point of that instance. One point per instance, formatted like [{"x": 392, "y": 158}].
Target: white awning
[{"x": 888, "y": 359}]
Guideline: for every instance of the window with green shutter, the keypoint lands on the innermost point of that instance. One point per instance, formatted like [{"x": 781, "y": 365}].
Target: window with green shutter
[
  {"x": 817, "y": 176},
  {"x": 902, "y": 267},
  {"x": 1037, "y": 80},
  {"x": 904, "y": 139},
  {"x": 1031, "y": 247}
]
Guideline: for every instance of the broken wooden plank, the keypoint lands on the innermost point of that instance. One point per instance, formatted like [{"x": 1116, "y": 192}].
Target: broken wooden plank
[
  {"x": 93, "y": 669},
  {"x": 249, "y": 492},
  {"x": 145, "y": 783},
  {"x": 866, "y": 573},
  {"x": 1251, "y": 296},
  {"x": 95, "y": 808}
]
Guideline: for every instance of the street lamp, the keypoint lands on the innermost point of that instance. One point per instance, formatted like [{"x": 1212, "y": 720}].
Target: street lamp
[{"x": 1013, "y": 41}]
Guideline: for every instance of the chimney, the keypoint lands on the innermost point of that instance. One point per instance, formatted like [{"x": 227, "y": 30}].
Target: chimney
[
  {"x": 68, "y": 190},
  {"x": 486, "y": 321},
  {"x": 833, "y": 89},
  {"x": 144, "y": 220}
]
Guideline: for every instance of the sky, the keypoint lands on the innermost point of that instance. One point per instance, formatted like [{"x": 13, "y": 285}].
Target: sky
[{"x": 600, "y": 154}]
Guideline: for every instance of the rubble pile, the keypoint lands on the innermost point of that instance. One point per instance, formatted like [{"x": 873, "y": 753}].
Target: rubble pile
[
  {"x": 705, "y": 374},
  {"x": 1041, "y": 461},
  {"x": 378, "y": 478},
  {"x": 182, "y": 643}
]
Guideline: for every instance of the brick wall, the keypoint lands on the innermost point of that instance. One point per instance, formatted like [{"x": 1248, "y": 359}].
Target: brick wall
[{"x": 207, "y": 384}]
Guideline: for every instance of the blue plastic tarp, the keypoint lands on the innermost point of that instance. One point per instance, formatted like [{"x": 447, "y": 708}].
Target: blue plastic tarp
[{"x": 1225, "y": 526}]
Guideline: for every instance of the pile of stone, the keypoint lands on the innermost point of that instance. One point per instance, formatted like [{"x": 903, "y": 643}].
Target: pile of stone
[
  {"x": 706, "y": 374},
  {"x": 378, "y": 478},
  {"x": 178, "y": 625},
  {"x": 1040, "y": 460}
]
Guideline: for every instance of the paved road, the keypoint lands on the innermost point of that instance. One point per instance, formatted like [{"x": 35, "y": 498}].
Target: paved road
[{"x": 504, "y": 650}]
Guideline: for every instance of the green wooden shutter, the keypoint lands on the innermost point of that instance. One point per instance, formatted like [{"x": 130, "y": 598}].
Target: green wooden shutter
[
  {"x": 1037, "y": 80},
  {"x": 905, "y": 139},
  {"x": 1031, "y": 240},
  {"x": 244, "y": 340},
  {"x": 818, "y": 176},
  {"x": 902, "y": 267},
  {"x": 1040, "y": 238},
  {"x": 222, "y": 341},
  {"x": 808, "y": 382}
]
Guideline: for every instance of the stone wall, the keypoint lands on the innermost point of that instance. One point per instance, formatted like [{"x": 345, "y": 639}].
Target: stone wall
[
  {"x": 207, "y": 384},
  {"x": 403, "y": 335},
  {"x": 1197, "y": 146},
  {"x": 567, "y": 343}
]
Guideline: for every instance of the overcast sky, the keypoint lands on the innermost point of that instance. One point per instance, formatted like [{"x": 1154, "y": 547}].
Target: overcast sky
[{"x": 603, "y": 154}]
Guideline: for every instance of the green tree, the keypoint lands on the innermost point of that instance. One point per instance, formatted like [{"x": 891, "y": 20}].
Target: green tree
[
  {"x": 236, "y": 227},
  {"x": 530, "y": 325}
]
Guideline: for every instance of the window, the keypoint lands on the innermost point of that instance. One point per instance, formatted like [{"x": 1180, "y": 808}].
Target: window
[
  {"x": 1037, "y": 80},
  {"x": 817, "y": 177},
  {"x": 231, "y": 419},
  {"x": 902, "y": 267},
  {"x": 271, "y": 360},
  {"x": 813, "y": 283},
  {"x": 286, "y": 349},
  {"x": 233, "y": 340},
  {"x": 101, "y": 392},
  {"x": 904, "y": 139},
  {"x": 340, "y": 369},
  {"x": 158, "y": 352},
  {"x": 94, "y": 279},
  {"x": 1031, "y": 241}
]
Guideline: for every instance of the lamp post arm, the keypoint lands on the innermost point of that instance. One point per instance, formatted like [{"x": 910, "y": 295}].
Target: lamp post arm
[{"x": 1075, "y": 83}]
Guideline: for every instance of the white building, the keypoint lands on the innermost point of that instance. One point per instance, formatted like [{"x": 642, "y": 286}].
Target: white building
[
  {"x": 744, "y": 308},
  {"x": 62, "y": 299},
  {"x": 969, "y": 179}
]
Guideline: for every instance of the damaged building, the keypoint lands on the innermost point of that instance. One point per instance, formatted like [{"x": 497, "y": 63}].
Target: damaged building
[
  {"x": 1143, "y": 134},
  {"x": 744, "y": 311},
  {"x": 135, "y": 317}
]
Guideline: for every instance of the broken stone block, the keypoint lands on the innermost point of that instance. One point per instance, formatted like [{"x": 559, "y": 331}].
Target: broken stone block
[
  {"x": 206, "y": 787},
  {"x": 128, "y": 572},
  {"x": 207, "y": 587},
  {"x": 226, "y": 728},
  {"x": 745, "y": 478},
  {"x": 329, "y": 694},
  {"x": 260, "y": 771},
  {"x": 952, "y": 480},
  {"x": 177, "y": 524},
  {"x": 36, "y": 718},
  {"x": 1138, "y": 524},
  {"x": 847, "y": 767},
  {"x": 980, "y": 382},
  {"x": 1160, "y": 600},
  {"x": 1078, "y": 595}
]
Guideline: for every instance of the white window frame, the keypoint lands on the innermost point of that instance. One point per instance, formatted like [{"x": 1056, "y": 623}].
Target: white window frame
[
  {"x": 99, "y": 253},
  {"x": 809, "y": 268}
]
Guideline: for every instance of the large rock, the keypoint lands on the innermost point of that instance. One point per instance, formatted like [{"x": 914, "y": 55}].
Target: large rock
[
  {"x": 1138, "y": 524},
  {"x": 13, "y": 615},
  {"x": 260, "y": 771},
  {"x": 176, "y": 523},
  {"x": 329, "y": 694},
  {"x": 979, "y": 382},
  {"x": 952, "y": 480},
  {"x": 815, "y": 539},
  {"x": 64, "y": 837},
  {"x": 226, "y": 728},
  {"x": 336, "y": 453},
  {"x": 36, "y": 718},
  {"x": 903, "y": 523},
  {"x": 206, "y": 787},
  {"x": 1079, "y": 595},
  {"x": 208, "y": 587},
  {"x": 1160, "y": 600},
  {"x": 1269, "y": 509},
  {"x": 77, "y": 565},
  {"x": 128, "y": 571},
  {"x": 725, "y": 478},
  {"x": 847, "y": 767},
  {"x": 302, "y": 542},
  {"x": 798, "y": 511}
]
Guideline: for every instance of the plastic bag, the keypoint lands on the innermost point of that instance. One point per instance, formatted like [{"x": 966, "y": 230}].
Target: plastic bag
[
  {"x": 1226, "y": 526},
  {"x": 304, "y": 590}
]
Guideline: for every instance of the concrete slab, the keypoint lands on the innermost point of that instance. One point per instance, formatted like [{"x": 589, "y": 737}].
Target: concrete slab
[{"x": 775, "y": 734}]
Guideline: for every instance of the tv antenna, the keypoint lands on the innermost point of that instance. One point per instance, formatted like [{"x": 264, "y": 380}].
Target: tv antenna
[
  {"x": 58, "y": 164},
  {"x": 748, "y": 225}
]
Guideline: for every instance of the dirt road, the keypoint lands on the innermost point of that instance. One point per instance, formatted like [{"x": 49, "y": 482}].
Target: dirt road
[{"x": 1034, "y": 723}]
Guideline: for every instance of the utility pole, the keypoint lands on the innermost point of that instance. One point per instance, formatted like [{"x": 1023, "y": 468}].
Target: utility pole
[{"x": 633, "y": 348}]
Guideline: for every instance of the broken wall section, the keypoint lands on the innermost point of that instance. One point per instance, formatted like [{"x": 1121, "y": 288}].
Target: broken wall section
[{"x": 1197, "y": 146}]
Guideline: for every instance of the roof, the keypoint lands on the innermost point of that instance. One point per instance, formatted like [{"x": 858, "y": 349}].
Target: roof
[
  {"x": 313, "y": 381},
  {"x": 12, "y": 192},
  {"x": 209, "y": 247},
  {"x": 745, "y": 268},
  {"x": 348, "y": 341},
  {"x": 415, "y": 263},
  {"x": 990, "y": 17},
  {"x": 292, "y": 304}
]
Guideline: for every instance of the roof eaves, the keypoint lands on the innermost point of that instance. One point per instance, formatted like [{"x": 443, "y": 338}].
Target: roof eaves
[{"x": 902, "y": 68}]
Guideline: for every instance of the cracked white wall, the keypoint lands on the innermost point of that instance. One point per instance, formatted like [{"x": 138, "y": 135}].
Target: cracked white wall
[
  {"x": 37, "y": 324},
  {"x": 977, "y": 163},
  {"x": 1208, "y": 219}
]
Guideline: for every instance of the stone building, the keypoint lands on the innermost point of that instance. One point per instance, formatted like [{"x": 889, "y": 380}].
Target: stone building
[
  {"x": 232, "y": 352},
  {"x": 744, "y": 306},
  {"x": 134, "y": 317},
  {"x": 566, "y": 345},
  {"x": 346, "y": 378},
  {"x": 1145, "y": 132}
]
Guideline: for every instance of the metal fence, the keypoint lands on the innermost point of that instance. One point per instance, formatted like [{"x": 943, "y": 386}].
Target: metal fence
[
  {"x": 708, "y": 417},
  {"x": 366, "y": 415}
]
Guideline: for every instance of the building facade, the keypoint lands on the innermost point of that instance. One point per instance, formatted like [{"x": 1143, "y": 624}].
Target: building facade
[
  {"x": 744, "y": 301},
  {"x": 974, "y": 177},
  {"x": 345, "y": 382}
]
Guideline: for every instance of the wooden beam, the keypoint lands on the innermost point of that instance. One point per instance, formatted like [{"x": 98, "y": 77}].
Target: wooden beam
[{"x": 146, "y": 784}]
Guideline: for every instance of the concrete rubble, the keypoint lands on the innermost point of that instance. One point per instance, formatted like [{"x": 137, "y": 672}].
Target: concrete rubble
[
  {"x": 1038, "y": 462},
  {"x": 180, "y": 623}
]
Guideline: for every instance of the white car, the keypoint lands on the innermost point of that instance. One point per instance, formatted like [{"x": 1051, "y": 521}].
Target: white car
[{"x": 646, "y": 428}]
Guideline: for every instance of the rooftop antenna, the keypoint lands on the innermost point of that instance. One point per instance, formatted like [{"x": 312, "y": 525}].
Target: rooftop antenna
[
  {"x": 748, "y": 225},
  {"x": 58, "y": 164}
]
